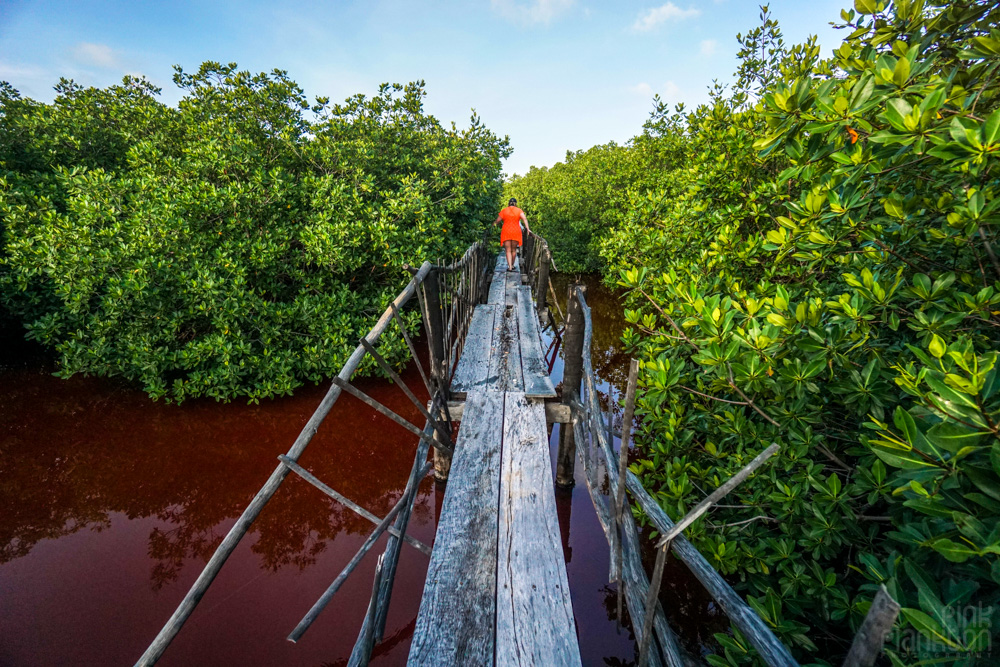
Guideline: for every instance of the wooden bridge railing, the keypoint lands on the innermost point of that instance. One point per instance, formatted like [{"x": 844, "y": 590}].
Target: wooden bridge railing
[
  {"x": 447, "y": 296},
  {"x": 593, "y": 444}
]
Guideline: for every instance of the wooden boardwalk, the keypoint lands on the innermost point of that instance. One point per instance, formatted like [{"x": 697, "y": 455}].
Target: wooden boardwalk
[{"x": 496, "y": 590}]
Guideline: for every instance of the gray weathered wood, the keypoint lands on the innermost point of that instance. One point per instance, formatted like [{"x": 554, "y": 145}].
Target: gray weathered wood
[
  {"x": 327, "y": 595},
  {"x": 619, "y": 503},
  {"x": 513, "y": 283},
  {"x": 534, "y": 619},
  {"x": 498, "y": 288},
  {"x": 350, "y": 504},
  {"x": 362, "y": 652},
  {"x": 473, "y": 366},
  {"x": 718, "y": 494},
  {"x": 555, "y": 413},
  {"x": 505, "y": 353},
  {"x": 634, "y": 576},
  {"x": 250, "y": 514},
  {"x": 537, "y": 383},
  {"x": 768, "y": 646},
  {"x": 867, "y": 644},
  {"x": 455, "y": 624}
]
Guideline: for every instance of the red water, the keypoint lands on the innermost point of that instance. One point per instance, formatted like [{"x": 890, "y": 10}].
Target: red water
[{"x": 112, "y": 503}]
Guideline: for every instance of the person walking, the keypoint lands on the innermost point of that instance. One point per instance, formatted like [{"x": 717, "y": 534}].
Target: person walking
[{"x": 510, "y": 234}]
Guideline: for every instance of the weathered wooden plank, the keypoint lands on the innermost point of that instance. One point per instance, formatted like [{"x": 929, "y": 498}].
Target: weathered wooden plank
[
  {"x": 537, "y": 383},
  {"x": 498, "y": 288},
  {"x": 456, "y": 623},
  {"x": 474, "y": 364},
  {"x": 534, "y": 613},
  {"x": 868, "y": 642},
  {"x": 513, "y": 282},
  {"x": 505, "y": 353},
  {"x": 501, "y": 264},
  {"x": 555, "y": 413}
]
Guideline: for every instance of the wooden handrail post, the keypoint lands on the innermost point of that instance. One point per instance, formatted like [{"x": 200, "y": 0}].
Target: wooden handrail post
[
  {"x": 572, "y": 375},
  {"x": 438, "y": 361},
  {"x": 542, "y": 281}
]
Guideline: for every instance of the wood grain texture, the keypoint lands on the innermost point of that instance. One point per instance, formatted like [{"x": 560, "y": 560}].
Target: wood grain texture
[
  {"x": 474, "y": 364},
  {"x": 456, "y": 622},
  {"x": 537, "y": 383},
  {"x": 498, "y": 288},
  {"x": 513, "y": 283},
  {"x": 534, "y": 613},
  {"x": 505, "y": 358}
]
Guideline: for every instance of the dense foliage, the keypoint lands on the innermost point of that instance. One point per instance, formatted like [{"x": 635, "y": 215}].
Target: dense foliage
[
  {"x": 238, "y": 244},
  {"x": 573, "y": 203},
  {"x": 816, "y": 266}
]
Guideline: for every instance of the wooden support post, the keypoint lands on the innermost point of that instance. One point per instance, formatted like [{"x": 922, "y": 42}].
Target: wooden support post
[
  {"x": 619, "y": 503},
  {"x": 871, "y": 635},
  {"x": 439, "y": 371},
  {"x": 542, "y": 281},
  {"x": 572, "y": 374}
]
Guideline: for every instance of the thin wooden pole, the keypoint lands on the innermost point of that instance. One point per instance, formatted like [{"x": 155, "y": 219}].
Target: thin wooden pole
[
  {"x": 412, "y": 348},
  {"x": 362, "y": 652},
  {"x": 868, "y": 642},
  {"x": 324, "y": 599},
  {"x": 542, "y": 280},
  {"x": 619, "y": 505},
  {"x": 350, "y": 504},
  {"x": 717, "y": 495},
  {"x": 445, "y": 435},
  {"x": 167, "y": 633}
]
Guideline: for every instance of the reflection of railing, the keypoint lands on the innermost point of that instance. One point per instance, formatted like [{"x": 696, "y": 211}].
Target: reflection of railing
[{"x": 447, "y": 296}]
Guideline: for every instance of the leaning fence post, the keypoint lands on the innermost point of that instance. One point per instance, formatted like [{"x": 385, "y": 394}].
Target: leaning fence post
[{"x": 572, "y": 374}]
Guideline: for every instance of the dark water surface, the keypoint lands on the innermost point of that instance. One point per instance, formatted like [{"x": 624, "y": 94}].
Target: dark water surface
[{"x": 112, "y": 503}]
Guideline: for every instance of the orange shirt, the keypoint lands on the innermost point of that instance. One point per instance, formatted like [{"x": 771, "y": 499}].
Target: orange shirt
[{"x": 511, "y": 214}]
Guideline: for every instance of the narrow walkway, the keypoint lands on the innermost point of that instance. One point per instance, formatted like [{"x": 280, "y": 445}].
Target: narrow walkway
[{"x": 496, "y": 590}]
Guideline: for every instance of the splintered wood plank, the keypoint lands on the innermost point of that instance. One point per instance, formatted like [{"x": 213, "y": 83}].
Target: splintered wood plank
[
  {"x": 505, "y": 372},
  {"x": 537, "y": 383},
  {"x": 498, "y": 288},
  {"x": 534, "y": 612},
  {"x": 474, "y": 364},
  {"x": 456, "y": 622}
]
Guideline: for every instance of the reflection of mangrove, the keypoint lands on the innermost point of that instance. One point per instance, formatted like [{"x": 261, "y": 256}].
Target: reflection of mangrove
[{"x": 73, "y": 452}]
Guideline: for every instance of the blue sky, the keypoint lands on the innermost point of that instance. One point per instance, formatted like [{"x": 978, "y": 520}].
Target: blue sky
[{"x": 554, "y": 75}]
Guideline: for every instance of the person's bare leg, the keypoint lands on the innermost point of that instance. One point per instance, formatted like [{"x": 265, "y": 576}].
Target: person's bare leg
[{"x": 508, "y": 247}]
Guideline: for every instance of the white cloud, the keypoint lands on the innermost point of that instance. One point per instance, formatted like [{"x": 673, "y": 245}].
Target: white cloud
[
  {"x": 531, "y": 12},
  {"x": 642, "y": 89},
  {"x": 656, "y": 16},
  {"x": 671, "y": 91},
  {"x": 708, "y": 47},
  {"x": 99, "y": 55}
]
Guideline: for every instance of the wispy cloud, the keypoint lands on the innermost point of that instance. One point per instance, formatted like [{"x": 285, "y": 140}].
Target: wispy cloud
[
  {"x": 669, "y": 91},
  {"x": 657, "y": 16},
  {"x": 532, "y": 12},
  {"x": 708, "y": 47},
  {"x": 98, "y": 55}
]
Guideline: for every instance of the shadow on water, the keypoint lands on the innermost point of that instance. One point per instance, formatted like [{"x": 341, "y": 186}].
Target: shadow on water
[{"x": 113, "y": 503}]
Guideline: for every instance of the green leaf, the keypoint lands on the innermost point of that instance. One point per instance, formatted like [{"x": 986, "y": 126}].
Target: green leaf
[
  {"x": 866, "y": 6},
  {"x": 927, "y": 626},
  {"x": 953, "y": 551},
  {"x": 937, "y": 346}
]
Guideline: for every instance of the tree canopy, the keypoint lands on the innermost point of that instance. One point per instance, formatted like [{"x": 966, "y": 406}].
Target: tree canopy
[{"x": 238, "y": 244}]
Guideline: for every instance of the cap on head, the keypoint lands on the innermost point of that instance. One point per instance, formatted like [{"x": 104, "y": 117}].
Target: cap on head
[{"x": 512, "y": 202}]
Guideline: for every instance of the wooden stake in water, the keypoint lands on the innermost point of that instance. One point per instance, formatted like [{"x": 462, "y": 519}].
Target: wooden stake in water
[{"x": 619, "y": 505}]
